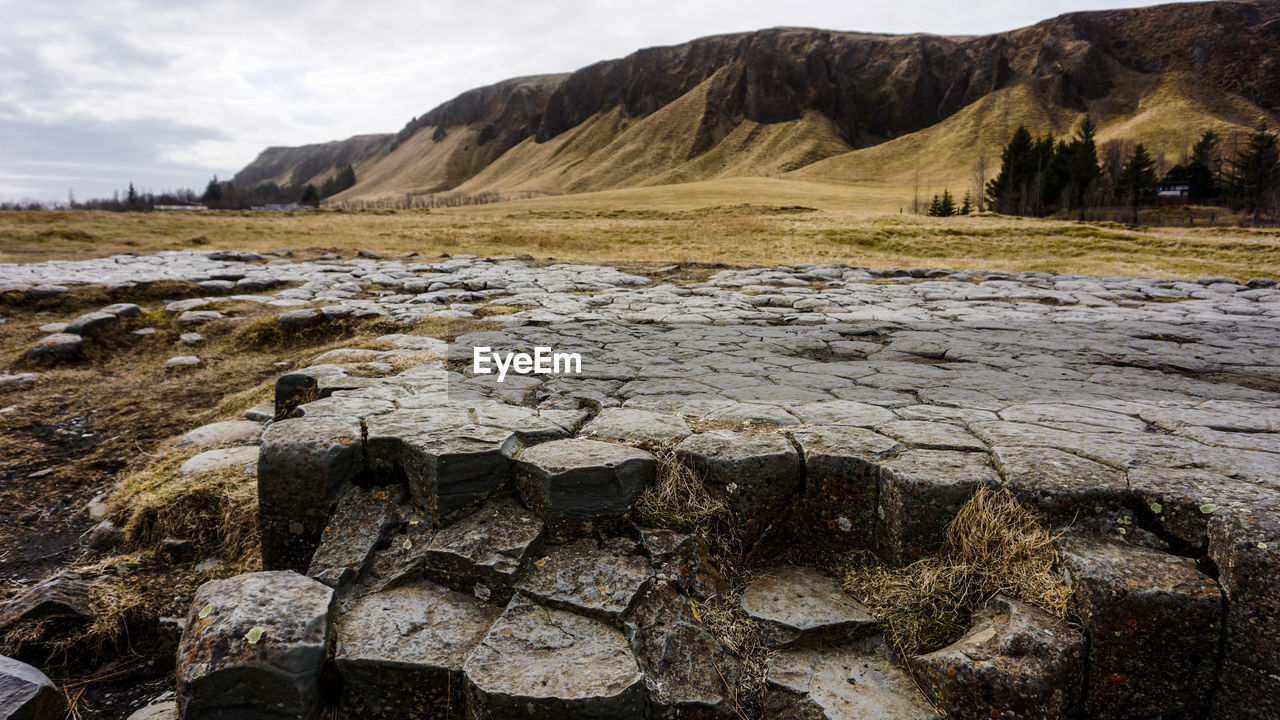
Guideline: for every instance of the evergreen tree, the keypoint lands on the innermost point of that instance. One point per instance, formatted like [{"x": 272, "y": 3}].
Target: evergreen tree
[
  {"x": 1138, "y": 181},
  {"x": 1203, "y": 167},
  {"x": 310, "y": 196},
  {"x": 1017, "y": 164},
  {"x": 1081, "y": 163},
  {"x": 131, "y": 199},
  {"x": 948, "y": 207},
  {"x": 935, "y": 207},
  {"x": 966, "y": 205},
  {"x": 1254, "y": 173},
  {"x": 212, "y": 192}
]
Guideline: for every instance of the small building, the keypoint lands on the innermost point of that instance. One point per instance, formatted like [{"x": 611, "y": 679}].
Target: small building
[
  {"x": 184, "y": 206},
  {"x": 283, "y": 206}
]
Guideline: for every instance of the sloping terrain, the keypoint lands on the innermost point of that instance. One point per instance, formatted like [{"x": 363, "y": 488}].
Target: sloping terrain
[{"x": 829, "y": 106}]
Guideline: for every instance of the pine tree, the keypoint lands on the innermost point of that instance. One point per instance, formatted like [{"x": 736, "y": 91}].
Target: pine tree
[
  {"x": 948, "y": 206},
  {"x": 1254, "y": 173},
  {"x": 310, "y": 196},
  {"x": 935, "y": 207},
  {"x": 212, "y": 192},
  {"x": 131, "y": 199},
  {"x": 966, "y": 205},
  {"x": 1138, "y": 181},
  {"x": 1203, "y": 167},
  {"x": 1017, "y": 164}
]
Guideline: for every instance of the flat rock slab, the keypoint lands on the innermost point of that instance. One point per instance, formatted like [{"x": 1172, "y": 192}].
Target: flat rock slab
[
  {"x": 242, "y": 458},
  {"x": 91, "y": 324},
  {"x": 588, "y": 578},
  {"x": 637, "y": 427},
  {"x": 58, "y": 346},
  {"x": 1016, "y": 661},
  {"x": 578, "y": 485},
  {"x": 28, "y": 694},
  {"x": 796, "y": 605},
  {"x": 1059, "y": 484},
  {"x": 359, "y": 522},
  {"x": 539, "y": 663},
  {"x": 400, "y": 651},
  {"x": 230, "y": 432},
  {"x": 484, "y": 552},
  {"x": 1143, "y": 610},
  {"x": 254, "y": 646},
  {"x": 852, "y": 682}
]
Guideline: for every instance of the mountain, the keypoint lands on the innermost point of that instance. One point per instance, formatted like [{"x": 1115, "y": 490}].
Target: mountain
[{"x": 823, "y": 105}]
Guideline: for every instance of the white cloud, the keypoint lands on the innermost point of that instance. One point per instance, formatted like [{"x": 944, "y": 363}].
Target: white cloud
[{"x": 179, "y": 91}]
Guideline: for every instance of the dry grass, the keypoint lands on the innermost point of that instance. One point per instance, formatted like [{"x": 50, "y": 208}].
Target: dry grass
[
  {"x": 736, "y": 221},
  {"x": 993, "y": 546},
  {"x": 725, "y": 620},
  {"x": 679, "y": 500}
]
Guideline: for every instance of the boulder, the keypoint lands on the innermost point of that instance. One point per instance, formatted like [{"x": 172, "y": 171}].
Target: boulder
[
  {"x": 588, "y": 577},
  {"x": 920, "y": 493},
  {"x": 93, "y": 323},
  {"x": 756, "y": 474},
  {"x": 539, "y": 663},
  {"x": 1154, "y": 623},
  {"x": 690, "y": 676},
  {"x": 59, "y": 346},
  {"x": 197, "y": 317},
  {"x": 1017, "y": 662},
  {"x": 254, "y": 646},
  {"x": 123, "y": 310},
  {"x": 842, "y": 482},
  {"x": 242, "y": 458},
  {"x": 300, "y": 319},
  {"x": 60, "y": 602},
  {"x": 28, "y": 694},
  {"x": 847, "y": 682},
  {"x": 303, "y": 467},
  {"x": 400, "y": 652},
  {"x": 580, "y": 485},
  {"x": 796, "y": 605},
  {"x": 485, "y": 551}
]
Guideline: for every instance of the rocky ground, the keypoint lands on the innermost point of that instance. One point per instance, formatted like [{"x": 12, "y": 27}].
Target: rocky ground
[{"x": 437, "y": 539}]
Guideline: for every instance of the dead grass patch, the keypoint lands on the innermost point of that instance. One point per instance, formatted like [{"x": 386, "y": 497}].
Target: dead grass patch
[{"x": 993, "y": 546}]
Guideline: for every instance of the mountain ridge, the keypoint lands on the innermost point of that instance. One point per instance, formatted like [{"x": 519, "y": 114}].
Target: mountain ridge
[{"x": 797, "y": 100}]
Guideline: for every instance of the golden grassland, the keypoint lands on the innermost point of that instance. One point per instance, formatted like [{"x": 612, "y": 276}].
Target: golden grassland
[{"x": 735, "y": 221}]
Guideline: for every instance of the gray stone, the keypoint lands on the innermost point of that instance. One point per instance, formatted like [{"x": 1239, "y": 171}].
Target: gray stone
[
  {"x": 578, "y": 485},
  {"x": 547, "y": 663},
  {"x": 254, "y": 646},
  {"x": 756, "y": 474},
  {"x": 302, "y": 468},
  {"x": 197, "y": 317},
  {"x": 848, "y": 682},
  {"x": 589, "y": 577},
  {"x": 842, "y": 483},
  {"x": 234, "y": 458},
  {"x": 42, "y": 291},
  {"x": 53, "y": 327},
  {"x": 359, "y": 522},
  {"x": 59, "y": 346},
  {"x": 637, "y": 427},
  {"x": 182, "y": 362},
  {"x": 123, "y": 310},
  {"x": 932, "y": 435},
  {"x": 90, "y": 324},
  {"x": 796, "y": 606},
  {"x": 17, "y": 381},
  {"x": 1016, "y": 661},
  {"x": 1061, "y": 485},
  {"x": 920, "y": 493},
  {"x": 157, "y": 710},
  {"x": 28, "y": 694},
  {"x": 485, "y": 551},
  {"x": 400, "y": 652},
  {"x": 682, "y": 559},
  {"x": 220, "y": 433},
  {"x": 844, "y": 412},
  {"x": 301, "y": 319},
  {"x": 1143, "y": 610},
  {"x": 61, "y": 602},
  {"x": 260, "y": 413},
  {"x": 104, "y": 536},
  {"x": 191, "y": 338},
  {"x": 688, "y": 673}
]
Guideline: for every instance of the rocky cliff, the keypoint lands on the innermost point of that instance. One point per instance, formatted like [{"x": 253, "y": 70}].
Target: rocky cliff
[{"x": 779, "y": 99}]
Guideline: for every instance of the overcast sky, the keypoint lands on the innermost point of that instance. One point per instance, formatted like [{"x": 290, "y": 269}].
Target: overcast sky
[{"x": 97, "y": 93}]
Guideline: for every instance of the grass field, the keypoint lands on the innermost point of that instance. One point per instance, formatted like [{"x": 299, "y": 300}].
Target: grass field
[{"x": 739, "y": 221}]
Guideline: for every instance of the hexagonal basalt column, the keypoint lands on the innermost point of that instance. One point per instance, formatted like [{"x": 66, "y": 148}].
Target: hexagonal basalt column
[
  {"x": 756, "y": 474},
  {"x": 357, "y": 525},
  {"x": 842, "y": 482},
  {"x": 538, "y": 663},
  {"x": 1154, "y": 624},
  {"x": 589, "y": 579},
  {"x": 920, "y": 493},
  {"x": 451, "y": 466},
  {"x": 1016, "y": 661},
  {"x": 484, "y": 552},
  {"x": 400, "y": 652},
  {"x": 303, "y": 466},
  {"x": 580, "y": 485},
  {"x": 253, "y": 647}
]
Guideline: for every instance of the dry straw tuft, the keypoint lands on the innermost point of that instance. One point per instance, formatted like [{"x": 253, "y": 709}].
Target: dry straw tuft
[{"x": 993, "y": 546}]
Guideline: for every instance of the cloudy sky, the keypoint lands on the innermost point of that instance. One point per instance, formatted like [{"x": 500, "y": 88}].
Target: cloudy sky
[{"x": 95, "y": 94}]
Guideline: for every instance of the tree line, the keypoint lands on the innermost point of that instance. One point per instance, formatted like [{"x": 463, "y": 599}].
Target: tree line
[{"x": 1043, "y": 176}]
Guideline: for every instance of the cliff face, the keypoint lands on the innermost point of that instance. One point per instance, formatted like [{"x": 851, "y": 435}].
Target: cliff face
[{"x": 832, "y": 92}]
